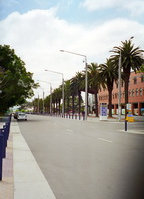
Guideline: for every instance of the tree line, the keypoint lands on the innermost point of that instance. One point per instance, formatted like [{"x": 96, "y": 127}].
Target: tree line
[{"x": 99, "y": 76}]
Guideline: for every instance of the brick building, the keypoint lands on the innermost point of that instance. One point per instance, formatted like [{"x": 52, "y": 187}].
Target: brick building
[{"x": 136, "y": 94}]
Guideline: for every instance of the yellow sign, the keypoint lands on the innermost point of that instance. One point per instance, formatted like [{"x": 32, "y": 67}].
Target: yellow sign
[{"x": 130, "y": 118}]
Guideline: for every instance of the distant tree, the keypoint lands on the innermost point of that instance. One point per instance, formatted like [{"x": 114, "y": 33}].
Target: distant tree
[
  {"x": 15, "y": 82},
  {"x": 77, "y": 83}
]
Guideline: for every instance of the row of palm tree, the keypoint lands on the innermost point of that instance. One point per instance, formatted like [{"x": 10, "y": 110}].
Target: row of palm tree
[{"x": 100, "y": 76}]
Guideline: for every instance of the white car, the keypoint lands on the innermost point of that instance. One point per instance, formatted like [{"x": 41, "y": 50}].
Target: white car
[{"x": 21, "y": 116}]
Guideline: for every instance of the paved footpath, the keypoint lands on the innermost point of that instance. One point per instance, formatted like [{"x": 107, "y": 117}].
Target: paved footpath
[
  {"x": 22, "y": 177},
  {"x": 7, "y": 183}
]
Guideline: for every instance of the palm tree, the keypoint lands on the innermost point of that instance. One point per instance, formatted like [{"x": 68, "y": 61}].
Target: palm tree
[
  {"x": 109, "y": 74},
  {"x": 131, "y": 59},
  {"x": 94, "y": 82},
  {"x": 73, "y": 92},
  {"x": 67, "y": 95},
  {"x": 57, "y": 96},
  {"x": 47, "y": 103},
  {"x": 78, "y": 85}
]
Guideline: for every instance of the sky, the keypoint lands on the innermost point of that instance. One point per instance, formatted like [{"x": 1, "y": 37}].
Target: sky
[{"x": 39, "y": 29}]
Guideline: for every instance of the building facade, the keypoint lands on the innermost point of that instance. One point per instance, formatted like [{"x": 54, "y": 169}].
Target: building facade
[{"x": 136, "y": 95}]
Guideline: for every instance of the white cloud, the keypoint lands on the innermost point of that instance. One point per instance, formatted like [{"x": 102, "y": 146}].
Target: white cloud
[
  {"x": 135, "y": 7},
  {"x": 38, "y": 35}
]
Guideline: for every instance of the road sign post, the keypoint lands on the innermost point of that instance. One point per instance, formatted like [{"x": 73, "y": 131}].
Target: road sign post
[{"x": 103, "y": 111}]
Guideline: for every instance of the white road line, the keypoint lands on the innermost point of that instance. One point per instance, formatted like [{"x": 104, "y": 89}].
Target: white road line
[
  {"x": 105, "y": 140},
  {"x": 69, "y": 130}
]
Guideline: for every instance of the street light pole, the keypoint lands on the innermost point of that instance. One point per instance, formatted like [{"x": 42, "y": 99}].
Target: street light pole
[
  {"x": 119, "y": 88},
  {"x": 43, "y": 103},
  {"x": 38, "y": 103},
  {"x": 119, "y": 84},
  {"x": 62, "y": 88},
  {"x": 50, "y": 94},
  {"x": 86, "y": 78}
]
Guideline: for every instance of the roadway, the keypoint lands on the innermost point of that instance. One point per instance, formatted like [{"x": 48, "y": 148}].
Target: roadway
[{"x": 87, "y": 160}]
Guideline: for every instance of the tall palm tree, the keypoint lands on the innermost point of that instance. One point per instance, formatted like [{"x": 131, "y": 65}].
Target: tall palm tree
[
  {"x": 47, "y": 103},
  {"x": 73, "y": 92},
  {"x": 78, "y": 85},
  {"x": 67, "y": 95},
  {"x": 94, "y": 82},
  {"x": 109, "y": 74},
  {"x": 131, "y": 59}
]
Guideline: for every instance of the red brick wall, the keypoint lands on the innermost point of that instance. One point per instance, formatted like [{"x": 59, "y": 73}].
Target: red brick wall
[{"x": 103, "y": 94}]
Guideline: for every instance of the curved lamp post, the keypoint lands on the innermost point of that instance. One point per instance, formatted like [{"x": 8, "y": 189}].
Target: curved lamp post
[
  {"x": 86, "y": 78},
  {"x": 50, "y": 94},
  {"x": 62, "y": 88}
]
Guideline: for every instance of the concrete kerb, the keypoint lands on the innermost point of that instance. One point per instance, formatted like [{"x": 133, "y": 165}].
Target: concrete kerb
[{"x": 29, "y": 181}]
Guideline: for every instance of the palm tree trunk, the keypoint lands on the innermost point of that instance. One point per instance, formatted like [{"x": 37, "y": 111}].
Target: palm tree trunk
[
  {"x": 96, "y": 104},
  {"x": 68, "y": 104},
  {"x": 110, "y": 102},
  {"x": 56, "y": 107},
  {"x": 59, "y": 106},
  {"x": 73, "y": 104}
]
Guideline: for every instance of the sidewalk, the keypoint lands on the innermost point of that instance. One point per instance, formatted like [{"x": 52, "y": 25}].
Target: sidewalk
[
  {"x": 7, "y": 184},
  {"x": 115, "y": 118},
  {"x": 22, "y": 177}
]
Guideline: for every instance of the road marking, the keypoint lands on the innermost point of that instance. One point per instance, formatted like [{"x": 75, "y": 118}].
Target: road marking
[
  {"x": 105, "y": 140},
  {"x": 69, "y": 130}
]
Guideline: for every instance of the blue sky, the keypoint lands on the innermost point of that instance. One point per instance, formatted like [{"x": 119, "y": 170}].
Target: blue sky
[
  {"x": 72, "y": 10},
  {"x": 38, "y": 29}
]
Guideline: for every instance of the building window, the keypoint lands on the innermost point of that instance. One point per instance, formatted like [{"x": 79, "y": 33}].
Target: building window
[
  {"x": 142, "y": 78},
  {"x": 133, "y": 92},
  {"x": 137, "y": 92},
  {"x": 135, "y": 80},
  {"x": 141, "y": 91}
]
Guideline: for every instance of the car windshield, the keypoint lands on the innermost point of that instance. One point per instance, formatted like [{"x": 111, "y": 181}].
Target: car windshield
[{"x": 22, "y": 114}]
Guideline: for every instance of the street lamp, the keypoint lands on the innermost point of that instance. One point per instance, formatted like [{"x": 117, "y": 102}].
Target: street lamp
[
  {"x": 50, "y": 94},
  {"x": 62, "y": 88},
  {"x": 119, "y": 88},
  {"x": 86, "y": 78},
  {"x": 119, "y": 84},
  {"x": 42, "y": 100}
]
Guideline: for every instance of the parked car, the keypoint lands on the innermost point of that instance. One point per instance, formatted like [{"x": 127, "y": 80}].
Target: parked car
[{"x": 20, "y": 116}]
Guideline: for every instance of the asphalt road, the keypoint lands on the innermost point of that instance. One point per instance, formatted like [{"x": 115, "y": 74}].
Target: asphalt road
[{"x": 88, "y": 160}]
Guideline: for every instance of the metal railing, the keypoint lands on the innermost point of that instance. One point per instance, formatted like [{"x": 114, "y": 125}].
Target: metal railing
[{"x": 4, "y": 135}]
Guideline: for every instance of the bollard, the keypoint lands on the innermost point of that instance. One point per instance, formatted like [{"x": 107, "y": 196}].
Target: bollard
[
  {"x": 1, "y": 155},
  {"x": 2, "y": 132},
  {"x": 125, "y": 125}
]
